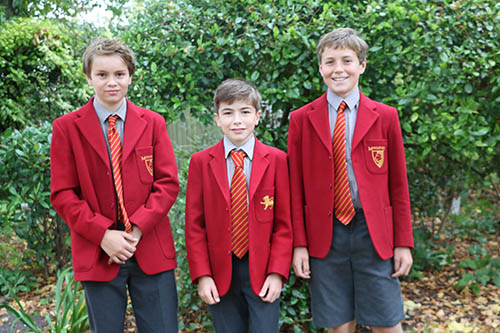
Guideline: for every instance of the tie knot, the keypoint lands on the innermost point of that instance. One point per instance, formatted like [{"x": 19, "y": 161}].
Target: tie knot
[
  {"x": 342, "y": 107},
  {"x": 112, "y": 120},
  {"x": 237, "y": 156}
]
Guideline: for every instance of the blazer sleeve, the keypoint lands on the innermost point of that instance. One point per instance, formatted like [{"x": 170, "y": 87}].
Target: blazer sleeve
[
  {"x": 165, "y": 186},
  {"x": 398, "y": 186},
  {"x": 282, "y": 236},
  {"x": 296, "y": 181},
  {"x": 195, "y": 229},
  {"x": 65, "y": 186}
]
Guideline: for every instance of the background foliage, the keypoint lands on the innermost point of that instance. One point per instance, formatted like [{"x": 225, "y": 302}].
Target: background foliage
[{"x": 436, "y": 61}]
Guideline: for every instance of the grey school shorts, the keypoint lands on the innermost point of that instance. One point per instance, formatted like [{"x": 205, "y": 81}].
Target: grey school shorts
[{"x": 352, "y": 282}]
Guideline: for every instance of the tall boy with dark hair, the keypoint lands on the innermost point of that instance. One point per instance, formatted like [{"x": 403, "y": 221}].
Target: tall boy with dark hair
[{"x": 113, "y": 181}]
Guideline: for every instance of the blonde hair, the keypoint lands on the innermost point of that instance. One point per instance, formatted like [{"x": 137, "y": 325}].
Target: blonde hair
[
  {"x": 343, "y": 38},
  {"x": 105, "y": 47},
  {"x": 231, "y": 90}
]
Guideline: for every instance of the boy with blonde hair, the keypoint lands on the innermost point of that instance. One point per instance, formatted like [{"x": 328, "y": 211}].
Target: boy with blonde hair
[{"x": 350, "y": 199}]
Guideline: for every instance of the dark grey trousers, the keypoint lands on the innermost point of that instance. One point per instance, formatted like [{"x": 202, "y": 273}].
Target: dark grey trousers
[
  {"x": 240, "y": 310},
  {"x": 154, "y": 300}
]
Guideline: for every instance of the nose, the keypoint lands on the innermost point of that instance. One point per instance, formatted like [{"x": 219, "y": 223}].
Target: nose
[
  {"x": 237, "y": 118},
  {"x": 337, "y": 67}
]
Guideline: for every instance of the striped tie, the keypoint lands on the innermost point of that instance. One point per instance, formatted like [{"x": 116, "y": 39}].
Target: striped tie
[
  {"x": 344, "y": 210},
  {"x": 116, "y": 163},
  {"x": 239, "y": 213}
]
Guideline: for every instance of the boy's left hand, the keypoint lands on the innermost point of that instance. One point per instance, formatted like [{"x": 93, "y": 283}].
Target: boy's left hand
[
  {"x": 271, "y": 289},
  {"x": 137, "y": 234},
  {"x": 402, "y": 261}
]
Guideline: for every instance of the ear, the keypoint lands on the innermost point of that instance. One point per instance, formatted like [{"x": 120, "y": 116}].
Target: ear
[
  {"x": 363, "y": 66},
  {"x": 217, "y": 119},
  {"x": 89, "y": 80},
  {"x": 257, "y": 115}
]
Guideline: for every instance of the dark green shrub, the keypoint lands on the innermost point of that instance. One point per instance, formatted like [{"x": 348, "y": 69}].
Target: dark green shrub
[{"x": 25, "y": 178}]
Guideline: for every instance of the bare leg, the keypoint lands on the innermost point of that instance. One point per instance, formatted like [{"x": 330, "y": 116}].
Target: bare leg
[{"x": 348, "y": 327}]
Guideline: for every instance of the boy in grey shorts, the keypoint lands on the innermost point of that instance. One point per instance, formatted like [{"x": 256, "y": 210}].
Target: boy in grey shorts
[{"x": 350, "y": 199}]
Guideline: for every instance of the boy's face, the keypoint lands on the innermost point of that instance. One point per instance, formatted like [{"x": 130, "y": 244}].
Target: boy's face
[
  {"x": 341, "y": 69},
  {"x": 237, "y": 121},
  {"x": 110, "y": 79}
]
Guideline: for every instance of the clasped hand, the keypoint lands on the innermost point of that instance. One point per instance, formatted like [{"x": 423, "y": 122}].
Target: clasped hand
[{"x": 120, "y": 245}]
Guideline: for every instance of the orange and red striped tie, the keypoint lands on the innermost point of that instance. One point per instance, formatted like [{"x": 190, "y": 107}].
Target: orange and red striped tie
[
  {"x": 344, "y": 209},
  {"x": 116, "y": 163},
  {"x": 239, "y": 213}
]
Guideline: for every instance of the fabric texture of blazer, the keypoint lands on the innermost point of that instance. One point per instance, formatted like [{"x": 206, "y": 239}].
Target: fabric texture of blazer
[
  {"x": 379, "y": 166},
  {"x": 208, "y": 217},
  {"x": 83, "y": 194}
]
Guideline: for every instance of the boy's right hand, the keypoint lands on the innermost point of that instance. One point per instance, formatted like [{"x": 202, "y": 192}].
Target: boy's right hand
[
  {"x": 118, "y": 245},
  {"x": 300, "y": 262},
  {"x": 207, "y": 290}
]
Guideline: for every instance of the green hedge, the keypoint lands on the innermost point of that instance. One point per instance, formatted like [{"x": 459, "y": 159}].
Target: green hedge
[
  {"x": 436, "y": 61},
  {"x": 40, "y": 71}
]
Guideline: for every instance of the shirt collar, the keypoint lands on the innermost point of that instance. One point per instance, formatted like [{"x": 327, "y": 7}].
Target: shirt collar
[
  {"x": 247, "y": 147},
  {"x": 103, "y": 113},
  {"x": 334, "y": 100}
]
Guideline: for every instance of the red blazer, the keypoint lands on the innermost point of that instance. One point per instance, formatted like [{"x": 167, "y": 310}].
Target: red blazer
[
  {"x": 82, "y": 188},
  {"x": 208, "y": 217},
  {"x": 379, "y": 165}
]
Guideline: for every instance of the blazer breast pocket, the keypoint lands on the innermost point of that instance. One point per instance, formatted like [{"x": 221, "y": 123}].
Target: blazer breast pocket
[
  {"x": 375, "y": 152},
  {"x": 264, "y": 205},
  {"x": 144, "y": 159}
]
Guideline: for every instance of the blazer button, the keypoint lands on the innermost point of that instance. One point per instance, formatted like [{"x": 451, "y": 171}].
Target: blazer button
[
  {"x": 329, "y": 157},
  {"x": 331, "y": 186},
  {"x": 329, "y": 213},
  {"x": 228, "y": 253}
]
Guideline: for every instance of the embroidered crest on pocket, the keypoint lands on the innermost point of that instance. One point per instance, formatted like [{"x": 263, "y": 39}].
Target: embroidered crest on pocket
[
  {"x": 268, "y": 202},
  {"x": 378, "y": 155},
  {"x": 148, "y": 161}
]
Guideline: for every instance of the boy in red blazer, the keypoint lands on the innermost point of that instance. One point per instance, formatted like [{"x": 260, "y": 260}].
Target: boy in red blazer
[
  {"x": 349, "y": 194},
  {"x": 113, "y": 181},
  {"x": 238, "y": 228}
]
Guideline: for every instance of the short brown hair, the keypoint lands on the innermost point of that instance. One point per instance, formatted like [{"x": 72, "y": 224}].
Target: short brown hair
[
  {"x": 105, "y": 47},
  {"x": 343, "y": 38},
  {"x": 231, "y": 90}
]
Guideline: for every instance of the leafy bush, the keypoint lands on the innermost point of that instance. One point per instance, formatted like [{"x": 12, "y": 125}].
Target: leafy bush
[
  {"x": 25, "y": 177},
  {"x": 40, "y": 72}
]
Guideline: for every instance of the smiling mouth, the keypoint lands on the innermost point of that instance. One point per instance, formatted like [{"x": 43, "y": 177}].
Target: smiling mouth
[{"x": 337, "y": 79}]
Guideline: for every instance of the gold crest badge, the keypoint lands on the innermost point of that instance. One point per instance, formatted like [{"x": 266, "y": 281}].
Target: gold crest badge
[
  {"x": 148, "y": 161},
  {"x": 378, "y": 155},
  {"x": 268, "y": 202}
]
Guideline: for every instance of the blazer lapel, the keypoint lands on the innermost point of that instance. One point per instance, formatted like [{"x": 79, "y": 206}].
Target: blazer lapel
[
  {"x": 365, "y": 120},
  {"x": 90, "y": 129},
  {"x": 318, "y": 115},
  {"x": 219, "y": 169},
  {"x": 134, "y": 127},
  {"x": 259, "y": 166}
]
